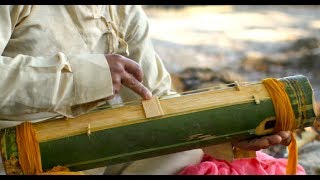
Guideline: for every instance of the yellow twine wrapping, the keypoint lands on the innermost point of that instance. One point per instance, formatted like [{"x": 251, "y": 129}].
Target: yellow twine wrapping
[
  {"x": 285, "y": 119},
  {"x": 28, "y": 149},
  {"x": 29, "y": 153}
]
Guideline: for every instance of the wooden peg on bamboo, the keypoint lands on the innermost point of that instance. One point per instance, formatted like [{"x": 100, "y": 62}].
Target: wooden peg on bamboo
[
  {"x": 256, "y": 100},
  {"x": 65, "y": 118},
  {"x": 237, "y": 85},
  {"x": 89, "y": 130}
]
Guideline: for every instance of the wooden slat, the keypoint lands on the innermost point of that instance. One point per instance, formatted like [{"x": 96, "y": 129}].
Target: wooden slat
[
  {"x": 222, "y": 151},
  {"x": 240, "y": 153},
  {"x": 152, "y": 107}
]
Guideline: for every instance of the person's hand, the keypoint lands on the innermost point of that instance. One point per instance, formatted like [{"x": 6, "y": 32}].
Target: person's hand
[
  {"x": 282, "y": 137},
  {"x": 126, "y": 72}
]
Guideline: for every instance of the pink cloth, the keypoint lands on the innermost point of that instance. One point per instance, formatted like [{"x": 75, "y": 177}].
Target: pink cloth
[{"x": 263, "y": 164}]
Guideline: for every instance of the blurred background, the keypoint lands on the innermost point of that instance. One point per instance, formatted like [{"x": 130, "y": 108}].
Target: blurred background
[{"x": 203, "y": 46}]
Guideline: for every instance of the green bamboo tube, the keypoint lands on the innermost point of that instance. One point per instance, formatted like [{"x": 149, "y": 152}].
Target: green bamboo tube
[{"x": 195, "y": 120}]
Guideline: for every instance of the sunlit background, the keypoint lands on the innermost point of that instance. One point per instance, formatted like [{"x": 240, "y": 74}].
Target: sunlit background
[{"x": 243, "y": 42}]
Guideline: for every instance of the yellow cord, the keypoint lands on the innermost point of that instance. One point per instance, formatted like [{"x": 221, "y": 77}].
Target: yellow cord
[{"x": 285, "y": 119}]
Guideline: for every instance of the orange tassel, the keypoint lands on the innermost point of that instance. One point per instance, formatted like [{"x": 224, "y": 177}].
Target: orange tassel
[
  {"x": 285, "y": 119},
  {"x": 29, "y": 153}
]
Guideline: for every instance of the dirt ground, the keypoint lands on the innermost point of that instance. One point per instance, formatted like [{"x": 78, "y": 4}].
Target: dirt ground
[{"x": 246, "y": 43}]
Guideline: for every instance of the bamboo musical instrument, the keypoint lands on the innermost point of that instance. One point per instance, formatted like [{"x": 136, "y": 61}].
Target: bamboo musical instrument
[{"x": 144, "y": 129}]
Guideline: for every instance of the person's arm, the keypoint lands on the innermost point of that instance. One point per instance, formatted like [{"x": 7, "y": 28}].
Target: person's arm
[
  {"x": 62, "y": 84},
  {"x": 133, "y": 23}
]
